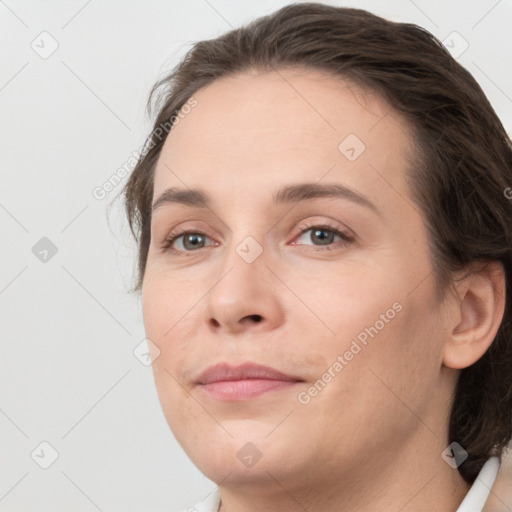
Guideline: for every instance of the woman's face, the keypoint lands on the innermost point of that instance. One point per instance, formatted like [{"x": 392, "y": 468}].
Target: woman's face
[{"x": 263, "y": 277}]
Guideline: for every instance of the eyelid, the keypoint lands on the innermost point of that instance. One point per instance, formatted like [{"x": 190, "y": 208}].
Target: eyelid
[{"x": 325, "y": 223}]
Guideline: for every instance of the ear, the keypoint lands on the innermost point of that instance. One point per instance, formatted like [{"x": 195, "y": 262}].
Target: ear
[{"x": 479, "y": 312}]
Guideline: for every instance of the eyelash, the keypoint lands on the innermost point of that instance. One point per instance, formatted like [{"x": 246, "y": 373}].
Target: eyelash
[{"x": 345, "y": 238}]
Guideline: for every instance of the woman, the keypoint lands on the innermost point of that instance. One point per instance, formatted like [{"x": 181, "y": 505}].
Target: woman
[{"x": 325, "y": 266}]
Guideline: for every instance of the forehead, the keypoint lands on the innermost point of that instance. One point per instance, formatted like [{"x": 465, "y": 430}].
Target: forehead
[{"x": 290, "y": 125}]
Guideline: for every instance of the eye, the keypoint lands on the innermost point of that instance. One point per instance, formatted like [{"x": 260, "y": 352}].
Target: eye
[
  {"x": 189, "y": 240},
  {"x": 325, "y": 236}
]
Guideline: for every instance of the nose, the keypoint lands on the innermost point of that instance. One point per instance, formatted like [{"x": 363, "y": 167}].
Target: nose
[{"x": 245, "y": 298}]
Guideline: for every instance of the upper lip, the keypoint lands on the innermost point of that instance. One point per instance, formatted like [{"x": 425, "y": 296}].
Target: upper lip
[{"x": 224, "y": 371}]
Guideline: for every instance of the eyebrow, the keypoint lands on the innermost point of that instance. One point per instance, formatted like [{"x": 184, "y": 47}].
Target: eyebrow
[{"x": 287, "y": 194}]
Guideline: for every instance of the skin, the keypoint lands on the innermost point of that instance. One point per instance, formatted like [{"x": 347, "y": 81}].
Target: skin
[{"x": 372, "y": 438}]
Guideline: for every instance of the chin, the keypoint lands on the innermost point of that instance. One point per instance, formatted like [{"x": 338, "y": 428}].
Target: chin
[{"x": 248, "y": 449}]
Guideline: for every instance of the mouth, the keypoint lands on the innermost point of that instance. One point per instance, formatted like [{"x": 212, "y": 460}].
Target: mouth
[{"x": 227, "y": 383}]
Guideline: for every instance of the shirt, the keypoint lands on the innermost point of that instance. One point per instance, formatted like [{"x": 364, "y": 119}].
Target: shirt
[{"x": 473, "y": 502}]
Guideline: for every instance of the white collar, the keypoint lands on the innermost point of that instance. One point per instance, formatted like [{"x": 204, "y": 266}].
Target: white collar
[
  {"x": 473, "y": 502},
  {"x": 210, "y": 504},
  {"x": 477, "y": 496}
]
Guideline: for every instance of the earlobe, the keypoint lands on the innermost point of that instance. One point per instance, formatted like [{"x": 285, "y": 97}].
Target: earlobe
[{"x": 480, "y": 310}]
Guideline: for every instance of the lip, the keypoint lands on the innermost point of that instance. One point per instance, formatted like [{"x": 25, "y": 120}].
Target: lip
[{"x": 249, "y": 380}]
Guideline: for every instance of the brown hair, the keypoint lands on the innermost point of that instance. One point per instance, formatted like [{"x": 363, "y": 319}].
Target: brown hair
[{"x": 459, "y": 182}]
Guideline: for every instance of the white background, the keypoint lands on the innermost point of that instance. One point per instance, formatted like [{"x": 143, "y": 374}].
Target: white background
[{"x": 68, "y": 325}]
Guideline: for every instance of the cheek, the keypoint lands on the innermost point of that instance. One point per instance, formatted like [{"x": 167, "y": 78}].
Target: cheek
[
  {"x": 399, "y": 367},
  {"x": 376, "y": 383},
  {"x": 163, "y": 310},
  {"x": 166, "y": 305},
  {"x": 381, "y": 330},
  {"x": 352, "y": 302}
]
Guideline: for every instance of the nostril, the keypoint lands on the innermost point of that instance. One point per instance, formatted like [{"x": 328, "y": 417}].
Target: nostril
[{"x": 256, "y": 318}]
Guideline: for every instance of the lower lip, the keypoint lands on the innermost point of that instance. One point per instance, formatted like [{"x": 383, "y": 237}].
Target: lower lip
[{"x": 232, "y": 390}]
